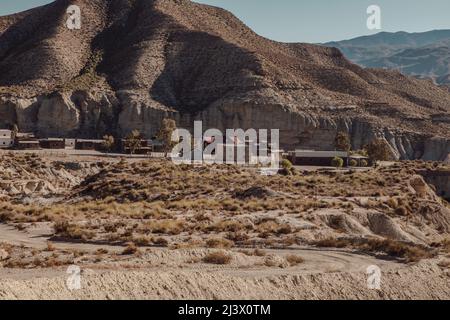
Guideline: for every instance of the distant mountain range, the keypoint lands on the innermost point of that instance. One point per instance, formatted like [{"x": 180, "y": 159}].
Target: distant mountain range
[{"x": 423, "y": 55}]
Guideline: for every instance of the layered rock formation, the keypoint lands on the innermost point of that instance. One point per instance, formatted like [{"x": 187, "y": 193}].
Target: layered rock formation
[
  {"x": 440, "y": 179},
  {"x": 135, "y": 62}
]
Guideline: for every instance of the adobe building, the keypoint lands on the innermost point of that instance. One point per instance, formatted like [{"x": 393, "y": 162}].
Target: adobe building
[
  {"x": 70, "y": 143},
  {"x": 28, "y": 145},
  {"x": 144, "y": 147},
  {"x": 316, "y": 158},
  {"x": 156, "y": 145},
  {"x": 89, "y": 144},
  {"x": 6, "y": 139},
  {"x": 26, "y": 141},
  {"x": 52, "y": 143}
]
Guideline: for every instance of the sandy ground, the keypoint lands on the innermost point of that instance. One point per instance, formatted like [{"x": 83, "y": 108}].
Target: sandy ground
[
  {"x": 425, "y": 281},
  {"x": 316, "y": 260},
  {"x": 325, "y": 274},
  {"x": 163, "y": 273}
]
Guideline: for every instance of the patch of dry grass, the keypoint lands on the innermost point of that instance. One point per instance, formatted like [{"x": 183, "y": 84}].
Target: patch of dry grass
[
  {"x": 159, "y": 203},
  {"x": 130, "y": 249},
  {"x": 294, "y": 260},
  {"x": 219, "y": 243},
  {"x": 396, "y": 249},
  {"x": 219, "y": 257}
]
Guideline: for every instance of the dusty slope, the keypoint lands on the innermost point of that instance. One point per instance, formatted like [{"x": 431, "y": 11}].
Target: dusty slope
[
  {"x": 157, "y": 203},
  {"x": 178, "y": 215},
  {"x": 419, "y": 282},
  {"x": 135, "y": 62}
]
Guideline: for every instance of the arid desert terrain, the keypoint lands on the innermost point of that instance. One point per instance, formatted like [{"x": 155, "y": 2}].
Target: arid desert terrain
[
  {"x": 83, "y": 216},
  {"x": 150, "y": 229}
]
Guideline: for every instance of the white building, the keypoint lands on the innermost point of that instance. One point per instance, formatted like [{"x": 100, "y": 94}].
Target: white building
[{"x": 6, "y": 140}]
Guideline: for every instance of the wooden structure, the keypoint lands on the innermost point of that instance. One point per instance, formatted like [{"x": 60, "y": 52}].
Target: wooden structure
[
  {"x": 89, "y": 144},
  {"x": 52, "y": 143},
  {"x": 6, "y": 139},
  {"x": 316, "y": 158},
  {"x": 27, "y": 145},
  {"x": 143, "y": 148}
]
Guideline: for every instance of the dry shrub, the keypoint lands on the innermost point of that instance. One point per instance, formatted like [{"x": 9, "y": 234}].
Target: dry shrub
[
  {"x": 161, "y": 242},
  {"x": 267, "y": 227},
  {"x": 409, "y": 252},
  {"x": 401, "y": 211},
  {"x": 445, "y": 244},
  {"x": 230, "y": 205},
  {"x": 50, "y": 246},
  {"x": 142, "y": 240},
  {"x": 332, "y": 243},
  {"x": 130, "y": 249},
  {"x": 405, "y": 251},
  {"x": 219, "y": 243},
  {"x": 101, "y": 251},
  {"x": 392, "y": 202},
  {"x": 217, "y": 258},
  {"x": 259, "y": 253},
  {"x": 171, "y": 227},
  {"x": 444, "y": 263},
  {"x": 72, "y": 231},
  {"x": 294, "y": 260},
  {"x": 227, "y": 226},
  {"x": 237, "y": 236},
  {"x": 275, "y": 261}
]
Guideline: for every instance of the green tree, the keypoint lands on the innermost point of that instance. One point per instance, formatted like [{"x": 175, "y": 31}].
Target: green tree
[
  {"x": 286, "y": 164},
  {"x": 342, "y": 141},
  {"x": 168, "y": 126},
  {"x": 337, "y": 162},
  {"x": 133, "y": 141},
  {"x": 287, "y": 168},
  {"x": 378, "y": 150},
  {"x": 108, "y": 142}
]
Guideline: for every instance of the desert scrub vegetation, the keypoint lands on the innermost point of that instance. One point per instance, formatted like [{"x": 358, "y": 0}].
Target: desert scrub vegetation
[
  {"x": 164, "y": 181},
  {"x": 218, "y": 257},
  {"x": 219, "y": 243},
  {"x": 158, "y": 203},
  {"x": 72, "y": 231},
  {"x": 294, "y": 260},
  {"x": 29, "y": 258},
  {"x": 406, "y": 252},
  {"x": 445, "y": 245},
  {"x": 130, "y": 249}
]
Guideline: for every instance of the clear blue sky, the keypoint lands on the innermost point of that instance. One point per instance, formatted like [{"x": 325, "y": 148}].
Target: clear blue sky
[{"x": 315, "y": 20}]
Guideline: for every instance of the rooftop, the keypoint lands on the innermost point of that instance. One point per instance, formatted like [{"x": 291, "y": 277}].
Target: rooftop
[
  {"x": 320, "y": 154},
  {"x": 90, "y": 140}
]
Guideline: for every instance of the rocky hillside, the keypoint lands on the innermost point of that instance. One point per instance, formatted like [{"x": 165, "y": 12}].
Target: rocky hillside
[{"x": 135, "y": 62}]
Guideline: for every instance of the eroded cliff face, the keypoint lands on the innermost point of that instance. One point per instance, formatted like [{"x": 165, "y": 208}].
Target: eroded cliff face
[
  {"x": 91, "y": 115},
  {"x": 440, "y": 179},
  {"x": 134, "y": 63},
  {"x": 74, "y": 114}
]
